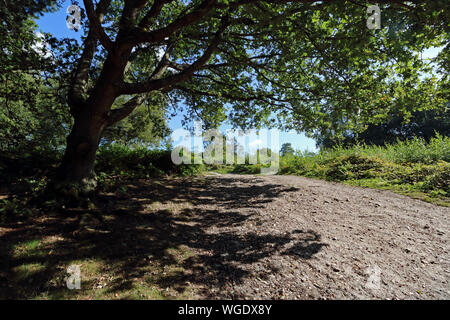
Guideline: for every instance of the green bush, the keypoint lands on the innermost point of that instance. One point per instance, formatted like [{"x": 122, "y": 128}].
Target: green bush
[
  {"x": 353, "y": 167},
  {"x": 408, "y": 166},
  {"x": 439, "y": 179},
  {"x": 140, "y": 162},
  {"x": 247, "y": 169},
  {"x": 13, "y": 209},
  {"x": 410, "y": 151}
]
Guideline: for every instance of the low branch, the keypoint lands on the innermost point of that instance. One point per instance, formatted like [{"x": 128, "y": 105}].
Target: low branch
[{"x": 127, "y": 108}]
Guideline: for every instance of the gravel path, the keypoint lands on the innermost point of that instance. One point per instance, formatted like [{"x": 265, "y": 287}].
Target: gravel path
[
  {"x": 242, "y": 237},
  {"x": 288, "y": 237}
]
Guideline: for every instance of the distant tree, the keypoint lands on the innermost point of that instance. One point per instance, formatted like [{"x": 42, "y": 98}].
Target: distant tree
[
  {"x": 424, "y": 124},
  {"x": 32, "y": 113},
  {"x": 286, "y": 148}
]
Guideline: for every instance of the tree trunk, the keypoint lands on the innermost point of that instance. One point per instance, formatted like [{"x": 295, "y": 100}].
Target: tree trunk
[{"x": 75, "y": 176}]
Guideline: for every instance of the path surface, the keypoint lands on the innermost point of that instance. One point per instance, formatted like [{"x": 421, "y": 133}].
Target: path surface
[
  {"x": 236, "y": 237},
  {"x": 298, "y": 238}
]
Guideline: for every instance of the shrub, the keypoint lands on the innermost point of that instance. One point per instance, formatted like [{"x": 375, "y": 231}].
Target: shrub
[
  {"x": 140, "y": 162},
  {"x": 353, "y": 167},
  {"x": 13, "y": 209},
  {"x": 408, "y": 166},
  {"x": 439, "y": 179},
  {"x": 247, "y": 169}
]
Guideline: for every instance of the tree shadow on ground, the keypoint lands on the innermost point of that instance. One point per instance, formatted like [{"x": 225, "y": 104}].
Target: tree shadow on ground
[{"x": 140, "y": 241}]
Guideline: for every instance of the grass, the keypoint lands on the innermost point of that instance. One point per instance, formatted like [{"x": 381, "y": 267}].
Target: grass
[
  {"x": 404, "y": 189},
  {"x": 101, "y": 281},
  {"x": 29, "y": 246},
  {"x": 35, "y": 275},
  {"x": 129, "y": 254}
]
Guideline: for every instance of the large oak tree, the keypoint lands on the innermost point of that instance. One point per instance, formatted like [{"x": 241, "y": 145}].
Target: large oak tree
[{"x": 299, "y": 64}]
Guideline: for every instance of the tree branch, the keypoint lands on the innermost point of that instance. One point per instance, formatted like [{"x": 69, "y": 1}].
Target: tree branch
[
  {"x": 162, "y": 65},
  {"x": 127, "y": 108},
  {"x": 130, "y": 13},
  {"x": 96, "y": 26},
  {"x": 156, "y": 84},
  {"x": 80, "y": 76},
  {"x": 154, "y": 11},
  {"x": 197, "y": 14}
]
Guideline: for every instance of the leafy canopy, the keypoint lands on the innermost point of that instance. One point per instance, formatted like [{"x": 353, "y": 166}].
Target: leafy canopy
[
  {"x": 31, "y": 115},
  {"x": 306, "y": 65}
]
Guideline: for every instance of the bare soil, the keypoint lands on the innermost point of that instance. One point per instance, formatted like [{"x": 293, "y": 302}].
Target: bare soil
[
  {"x": 326, "y": 240},
  {"x": 242, "y": 237}
]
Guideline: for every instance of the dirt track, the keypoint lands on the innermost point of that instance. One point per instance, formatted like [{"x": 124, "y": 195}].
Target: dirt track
[
  {"x": 310, "y": 239},
  {"x": 239, "y": 237}
]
